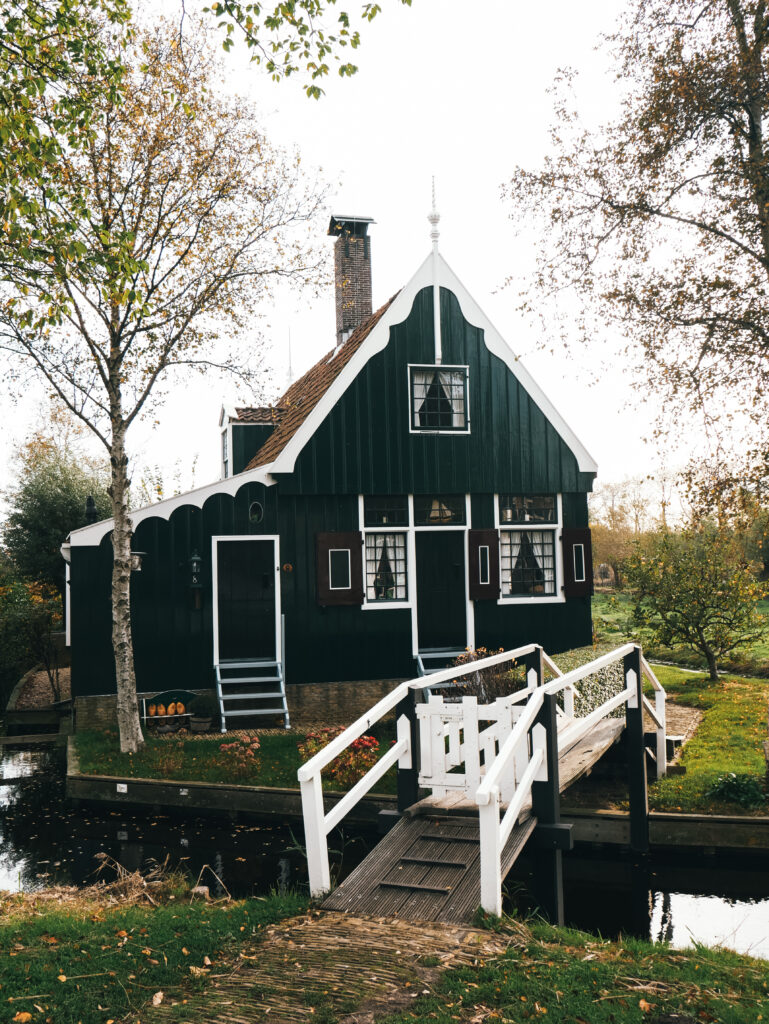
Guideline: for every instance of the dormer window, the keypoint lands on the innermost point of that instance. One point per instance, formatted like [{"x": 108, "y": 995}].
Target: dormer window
[{"x": 439, "y": 399}]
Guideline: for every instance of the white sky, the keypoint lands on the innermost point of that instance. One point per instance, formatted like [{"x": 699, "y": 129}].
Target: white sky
[{"x": 450, "y": 89}]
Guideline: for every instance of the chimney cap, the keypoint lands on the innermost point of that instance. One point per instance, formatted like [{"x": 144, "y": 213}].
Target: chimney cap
[{"x": 355, "y": 226}]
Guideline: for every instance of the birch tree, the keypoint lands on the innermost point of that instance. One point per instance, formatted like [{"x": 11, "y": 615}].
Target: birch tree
[
  {"x": 182, "y": 216},
  {"x": 659, "y": 221}
]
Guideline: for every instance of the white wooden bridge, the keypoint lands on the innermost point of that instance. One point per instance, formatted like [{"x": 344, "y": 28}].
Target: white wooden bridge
[{"x": 494, "y": 773}]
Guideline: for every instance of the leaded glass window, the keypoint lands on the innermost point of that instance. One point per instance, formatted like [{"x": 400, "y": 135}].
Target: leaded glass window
[
  {"x": 439, "y": 510},
  {"x": 386, "y": 567},
  {"x": 438, "y": 398},
  {"x": 527, "y": 560},
  {"x": 527, "y": 508},
  {"x": 386, "y": 510}
]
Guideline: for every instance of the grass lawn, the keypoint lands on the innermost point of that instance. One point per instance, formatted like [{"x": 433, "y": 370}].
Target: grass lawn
[
  {"x": 201, "y": 760},
  {"x": 611, "y": 612},
  {"x": 568, "y": 977},
  {"x": 729, "y": 739},
  {"x": 81, "y": 962}
]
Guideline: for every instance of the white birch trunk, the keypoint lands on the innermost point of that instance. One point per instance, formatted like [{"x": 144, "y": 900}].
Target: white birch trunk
[{"x": 129, "y": 725}]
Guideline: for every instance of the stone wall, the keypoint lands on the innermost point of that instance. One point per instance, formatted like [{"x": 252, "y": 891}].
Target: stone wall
[{"x": 309, "y": 704}]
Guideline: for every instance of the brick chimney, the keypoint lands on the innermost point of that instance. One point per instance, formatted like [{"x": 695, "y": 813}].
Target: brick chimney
[{"x": 352, "y": 273}]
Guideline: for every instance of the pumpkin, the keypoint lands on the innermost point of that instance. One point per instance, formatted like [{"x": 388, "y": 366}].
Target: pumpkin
[
  {"x": 152, "y": 710},
  {"x": 180, "y": 708},
  {"x": 162, "y": 709},
  {"x": 172, "y": 708}
]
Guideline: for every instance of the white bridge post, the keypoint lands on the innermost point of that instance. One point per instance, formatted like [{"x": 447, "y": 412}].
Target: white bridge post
[
  {"x": 491, "y": 855},
  {"x": 315, "y": 835}
]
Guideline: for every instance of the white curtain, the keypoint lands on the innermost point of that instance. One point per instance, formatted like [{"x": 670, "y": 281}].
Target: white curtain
[
  {"x": 420, "y": 382},
  {"x": 510, "y": 542},
  {"x": 453, "y": 387}
]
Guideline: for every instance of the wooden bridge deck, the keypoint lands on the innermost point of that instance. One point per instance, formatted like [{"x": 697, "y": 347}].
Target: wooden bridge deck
[{"x": 427, "y": 868}]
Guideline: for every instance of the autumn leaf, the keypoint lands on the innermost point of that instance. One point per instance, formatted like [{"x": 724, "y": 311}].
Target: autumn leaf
[
  {"x": 157, "y": 999},
  {"x": 62, "y": 977},
  {"x": 22, "y": 1017},
  {"x": 645, "y": 1007}
]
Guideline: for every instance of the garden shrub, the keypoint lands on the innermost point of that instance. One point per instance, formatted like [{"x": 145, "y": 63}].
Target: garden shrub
[
  {"x": 352, "y": 764},
  {"x": 745, "y": 790}
]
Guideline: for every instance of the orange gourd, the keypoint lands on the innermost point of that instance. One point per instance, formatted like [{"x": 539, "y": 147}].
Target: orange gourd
[
  {"x": 162, "y": 709},
  {"x": 180, "y": 709},
  {"x": 152, "y": 710},
  {"x": 172, "y": 708}
]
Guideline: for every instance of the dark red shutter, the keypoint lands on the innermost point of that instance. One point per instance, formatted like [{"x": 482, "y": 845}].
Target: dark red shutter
[
  {"x": 325, "y": 542},
  {"x": 477, "y": 539},
  {"x": 573, "y": 587}
]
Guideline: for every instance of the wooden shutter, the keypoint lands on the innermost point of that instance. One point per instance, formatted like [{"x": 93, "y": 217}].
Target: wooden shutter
[
  {"x": 352, "y": 542},
  {"x": 577, "y": 562},
  {"x": 484, "y": 585}
]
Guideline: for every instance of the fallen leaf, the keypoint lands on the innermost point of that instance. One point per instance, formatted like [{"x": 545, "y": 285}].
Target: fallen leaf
[
  {"x": 157, "y": 999},
  {"x": 198, "y": 972},
  {"x": 645, "y": 1007},
  {"x": 22, "y": 1017},
  {"x": 185, "y": 951},
  {"x": 206, "y": 961},
  {"x": 62, "y": 977}
]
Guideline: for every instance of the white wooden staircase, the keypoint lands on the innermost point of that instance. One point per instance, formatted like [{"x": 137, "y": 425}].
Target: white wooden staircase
[{"x": 251, "y": 689}]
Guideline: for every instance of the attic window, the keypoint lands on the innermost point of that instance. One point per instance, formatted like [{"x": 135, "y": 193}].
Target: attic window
[{"x": 439, "y": 399}]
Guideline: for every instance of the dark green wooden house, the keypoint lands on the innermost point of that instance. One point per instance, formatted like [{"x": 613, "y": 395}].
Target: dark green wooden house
[{"x": 413, "y": 494}]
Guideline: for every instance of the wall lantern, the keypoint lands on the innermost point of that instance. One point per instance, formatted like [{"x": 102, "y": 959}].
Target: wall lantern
[
  {"x": 196, "y": 571},
  {"x": 91, "y": 515},
  {"x": 136, "y": 560}
]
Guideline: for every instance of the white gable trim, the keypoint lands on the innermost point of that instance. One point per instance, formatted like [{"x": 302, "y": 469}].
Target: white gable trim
[
  {"x": 496, "y": 344},
  {"x": 379, "y": 337},
  {"x": 93, "y": 534}
]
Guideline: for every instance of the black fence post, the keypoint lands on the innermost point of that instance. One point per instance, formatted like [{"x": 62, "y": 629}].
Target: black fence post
[
  {"x": 551, "y": 837},
  {"x": 408, "y": 778},
  {"x": 636, "y": 752}
]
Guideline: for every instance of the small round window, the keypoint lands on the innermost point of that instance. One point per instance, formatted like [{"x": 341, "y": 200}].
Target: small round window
[{"x": 255, "y": 512}]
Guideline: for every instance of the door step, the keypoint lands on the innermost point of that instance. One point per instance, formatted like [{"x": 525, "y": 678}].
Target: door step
[{"x": 252, "y": 675}]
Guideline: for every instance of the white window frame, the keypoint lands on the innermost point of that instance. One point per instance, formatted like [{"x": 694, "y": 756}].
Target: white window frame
[
  {"x": 556, "y": 528},
  {"x": 481, "y": 581},
  {"x": 583, "y": 577},
  {"x": 347, "y": 551},
  {"x": 439, "y": 366},
  {"x": 226, "y": 463}
]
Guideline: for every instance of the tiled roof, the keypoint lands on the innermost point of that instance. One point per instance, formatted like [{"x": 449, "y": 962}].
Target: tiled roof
[
  {"x": 304, "y": 394},
  {"x": 257, "y": 414}
]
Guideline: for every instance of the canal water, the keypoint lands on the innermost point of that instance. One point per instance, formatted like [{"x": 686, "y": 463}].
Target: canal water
[{"x": 44, "y": 841}]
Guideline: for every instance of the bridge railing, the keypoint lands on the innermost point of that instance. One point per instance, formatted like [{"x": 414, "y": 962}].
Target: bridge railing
[
  {"x": 317, "y": 822},
  {"x": 528, "y": 743}
]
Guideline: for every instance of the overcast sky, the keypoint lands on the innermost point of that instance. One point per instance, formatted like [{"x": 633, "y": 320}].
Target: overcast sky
[{"x": 454, "y": 90}]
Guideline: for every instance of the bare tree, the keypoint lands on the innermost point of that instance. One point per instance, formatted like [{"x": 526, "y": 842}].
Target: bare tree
[{"x": 191, "y": 215}]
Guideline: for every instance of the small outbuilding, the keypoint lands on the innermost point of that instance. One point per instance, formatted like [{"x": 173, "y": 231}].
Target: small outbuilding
[{"x": 413, "y": 494}]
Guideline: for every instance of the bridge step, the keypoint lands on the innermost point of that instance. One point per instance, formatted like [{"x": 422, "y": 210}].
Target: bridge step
[{"x": 426, "y": 869}]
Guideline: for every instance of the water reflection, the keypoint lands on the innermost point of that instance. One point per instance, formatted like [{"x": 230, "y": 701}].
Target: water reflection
[{"x": 44, "y": 840}]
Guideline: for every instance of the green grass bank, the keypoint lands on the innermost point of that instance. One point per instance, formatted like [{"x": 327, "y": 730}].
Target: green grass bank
[
  {"x": 71, "y": 957},
  {"x": 568, "y": 977}
]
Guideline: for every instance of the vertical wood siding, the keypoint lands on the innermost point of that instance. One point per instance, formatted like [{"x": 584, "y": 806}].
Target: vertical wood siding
[{"x": 363, "y": 446}]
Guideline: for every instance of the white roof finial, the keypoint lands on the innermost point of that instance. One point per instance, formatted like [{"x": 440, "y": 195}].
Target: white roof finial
[{"x": 434, "y": 217}]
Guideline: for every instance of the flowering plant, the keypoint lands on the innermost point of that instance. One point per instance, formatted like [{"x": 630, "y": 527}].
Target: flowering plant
[
  {"x": 242, "y": 755},
  {"x": 352, "y": 764}
]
